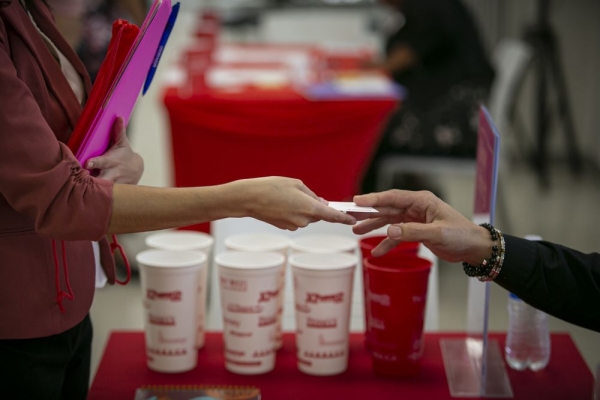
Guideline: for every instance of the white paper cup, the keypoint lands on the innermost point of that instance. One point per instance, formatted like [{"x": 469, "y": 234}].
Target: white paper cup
[
  {"x": 265, "y": 242},
  {"x": 323, "y": 295},
  {"x": 170, "y": 292},
  {"x": 190, "y": 241},
  {"x": 249, "y": 285},
  {"x": 323, "y": 243}
]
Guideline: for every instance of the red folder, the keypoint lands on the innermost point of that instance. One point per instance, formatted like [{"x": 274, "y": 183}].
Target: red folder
[
  {"x": 132, "y": 53},
  {"x": 124, "y": 35}
]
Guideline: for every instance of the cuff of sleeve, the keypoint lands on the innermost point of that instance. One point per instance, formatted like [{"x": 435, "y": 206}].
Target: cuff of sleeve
[{"x": 519, "y": 263}]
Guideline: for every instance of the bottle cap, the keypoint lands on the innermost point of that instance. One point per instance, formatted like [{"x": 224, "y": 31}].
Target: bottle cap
[{"x": 533, "y": 237}]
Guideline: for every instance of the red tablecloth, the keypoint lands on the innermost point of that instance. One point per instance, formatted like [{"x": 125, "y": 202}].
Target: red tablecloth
[
  {"x": 221, "y": 138},
  {"x": 123, "y": 369}
]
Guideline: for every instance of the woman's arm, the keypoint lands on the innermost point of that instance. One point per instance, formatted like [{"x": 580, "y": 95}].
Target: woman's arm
[{"x": 283, "y": 202}]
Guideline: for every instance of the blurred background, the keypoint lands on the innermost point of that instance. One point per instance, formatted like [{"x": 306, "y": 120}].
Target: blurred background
[{"x": 326, "y": 91}]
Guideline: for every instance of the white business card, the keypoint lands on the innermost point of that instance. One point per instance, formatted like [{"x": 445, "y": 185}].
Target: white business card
[{"x": 349, "y": 206}]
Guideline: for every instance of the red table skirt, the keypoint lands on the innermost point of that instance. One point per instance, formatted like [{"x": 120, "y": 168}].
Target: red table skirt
[{"x": 123, "y": 369}]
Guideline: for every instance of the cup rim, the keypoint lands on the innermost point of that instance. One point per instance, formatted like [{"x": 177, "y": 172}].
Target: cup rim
[
  {"x": 232, "y": 242},
  {"x": 365, "y": 245},
  {"x": 170, "y": 258},
  {"x": 182, "y": 240},
  {"x": 317, "y": 243},
  {"x": 260, "y": 259},
  {"x": 317, "y": 261}
]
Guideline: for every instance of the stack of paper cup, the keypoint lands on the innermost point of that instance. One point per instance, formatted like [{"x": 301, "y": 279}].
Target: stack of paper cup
[
  {"x": 323, "y": 243},
  {"x": 322, "y": 291},
  {"x": 249, "y": 283},
  {"x": 190, "y": 241},
  {"x": 265, "y": 242},
  {"x": 170, "y": 289}
]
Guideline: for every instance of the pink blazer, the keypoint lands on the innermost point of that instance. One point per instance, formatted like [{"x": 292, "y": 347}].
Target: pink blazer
[{"x": 48, "y": 203}]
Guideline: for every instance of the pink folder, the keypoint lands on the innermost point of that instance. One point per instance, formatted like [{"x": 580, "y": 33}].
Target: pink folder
[{"x": 123, "y": 94}]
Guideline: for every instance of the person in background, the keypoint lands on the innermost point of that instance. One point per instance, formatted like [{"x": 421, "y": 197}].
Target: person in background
[
  {"x": 87, "y": 25},
  {"x": 54, "y": 215},
  {"x": 558, "y": 280},
  {"x": 434, "y": 51}
]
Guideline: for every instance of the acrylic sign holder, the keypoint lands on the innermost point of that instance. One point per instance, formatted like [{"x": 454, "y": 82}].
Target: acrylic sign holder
[{"x": 474, "y": 365}]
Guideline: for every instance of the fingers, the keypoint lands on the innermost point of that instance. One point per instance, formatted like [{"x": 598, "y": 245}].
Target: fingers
[
  {"x": 414, "y": 232},
  {"x": 399, "y": 199},
  {"x": 384, "y": 246},
  {"x": 329, "y": 214},
  {"x": 101, "y": 162},
  {"x": 370, "y": 225},
  {"x": 309, "y": 192}
]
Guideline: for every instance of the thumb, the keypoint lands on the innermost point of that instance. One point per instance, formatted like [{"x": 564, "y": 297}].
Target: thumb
[{"x": 412, "y": 232}]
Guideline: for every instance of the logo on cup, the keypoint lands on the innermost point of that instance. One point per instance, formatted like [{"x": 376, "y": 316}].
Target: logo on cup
[
  {"x": 236, "y": 353},
  {"x": 324, "y": 354},
  {"x": 266, "y": 321},
  {"x": 317, "y": 297},
  {"x": 302, "y": 308},
  {"x": 232, "y": 322},
  {"x": 321, "y": 323},
  {"x": 238, "y": 285},
  {"x": 167, "y": 352},
  {"x": 382, "y": 299},
  {"x": 159, "y": 320},
  {"x": 154, "y": 295},
  {"x": 238, "y": 308},
  {"x": 268, "y": 295},
  {"x": 240, "y": 334}
]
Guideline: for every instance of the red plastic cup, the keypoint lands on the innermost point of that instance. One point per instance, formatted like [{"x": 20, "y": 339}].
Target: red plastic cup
[
  {"x": 367, "y": 244},
  {"x": 396, "y": 294}
]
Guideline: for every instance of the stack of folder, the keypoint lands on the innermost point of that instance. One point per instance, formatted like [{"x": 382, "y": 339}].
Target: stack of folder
[{"x": 131, "y": 60}]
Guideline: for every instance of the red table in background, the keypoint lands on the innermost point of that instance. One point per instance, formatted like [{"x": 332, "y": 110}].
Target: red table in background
[
  {"x": 221, "y": 135},
  {"x": 123, "y": 369}
]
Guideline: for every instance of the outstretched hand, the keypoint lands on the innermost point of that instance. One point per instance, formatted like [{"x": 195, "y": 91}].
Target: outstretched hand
[
  {"x": 286, "y": 203},
  {"x": 422, "y": 217},
  {"x": 120, "y": 163}
]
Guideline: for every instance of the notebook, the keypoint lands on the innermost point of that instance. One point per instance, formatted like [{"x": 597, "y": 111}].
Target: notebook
[{"x": 131, "y": 54}]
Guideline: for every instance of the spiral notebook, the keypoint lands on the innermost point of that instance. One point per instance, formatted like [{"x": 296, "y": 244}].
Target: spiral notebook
[
  {"x": 130, "y": 56},
  {"x": 194, "y": 392}
]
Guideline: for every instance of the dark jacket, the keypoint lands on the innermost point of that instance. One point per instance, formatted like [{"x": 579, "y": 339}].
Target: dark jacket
[{"x": 562, "y": 282}]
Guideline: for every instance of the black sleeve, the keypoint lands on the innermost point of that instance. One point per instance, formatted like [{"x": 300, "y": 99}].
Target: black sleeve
[
  {"x": 560, "y": 281},
  {"x": 428, "y": 28}
]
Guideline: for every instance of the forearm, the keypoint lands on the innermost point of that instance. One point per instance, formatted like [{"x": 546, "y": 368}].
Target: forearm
[{"x": 144, "y": 208}]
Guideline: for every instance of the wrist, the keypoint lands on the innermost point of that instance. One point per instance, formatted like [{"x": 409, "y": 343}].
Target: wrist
[
  {"x": 490, "y": 267},
  {"x": 482, "y": 246}
]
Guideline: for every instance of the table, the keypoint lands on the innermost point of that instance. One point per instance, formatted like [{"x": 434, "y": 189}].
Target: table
[
  {"x": 221, "y": 134},
  {"x": 123, "y": 369}
]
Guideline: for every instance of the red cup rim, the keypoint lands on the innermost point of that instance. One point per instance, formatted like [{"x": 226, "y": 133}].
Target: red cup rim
[
  {"x": 366, "y": 242},
  {"x": 418, "y": 264}
]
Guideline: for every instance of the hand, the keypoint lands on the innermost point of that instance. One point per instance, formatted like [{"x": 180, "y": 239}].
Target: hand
[
  {"x": 120, "y": 163},
  {"x": 285, "y": 203},
  {"x": 422, "y": 217}
]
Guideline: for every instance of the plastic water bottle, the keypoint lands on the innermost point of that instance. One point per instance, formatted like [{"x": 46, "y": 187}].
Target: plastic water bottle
[{"x": 528, "y": 339}]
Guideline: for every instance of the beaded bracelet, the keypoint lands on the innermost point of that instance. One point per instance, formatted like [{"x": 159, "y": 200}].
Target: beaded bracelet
[{"x": 488, "y": 270}]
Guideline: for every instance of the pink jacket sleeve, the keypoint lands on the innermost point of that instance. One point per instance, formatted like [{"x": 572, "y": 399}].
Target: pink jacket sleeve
[{"x": 39, "y": 176}]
